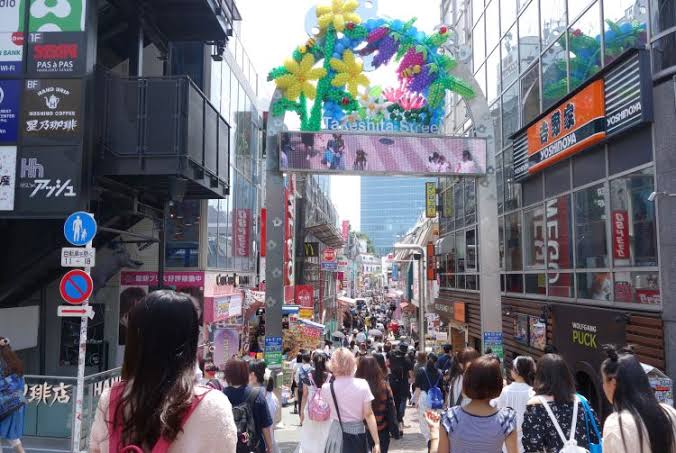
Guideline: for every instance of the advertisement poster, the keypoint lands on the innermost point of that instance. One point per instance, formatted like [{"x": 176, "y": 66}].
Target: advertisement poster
[
  {"x": 521, "y": 329},
  {"x": 9, "y": 110},
  {"x": 48, "y": 180},
  {"x": 305, "y": 296},
  {"x": 52, "y": 111},
  {"x": 538, "y": 333},
  {"x": 225, "y": 344},
  {"x": 430, "y": 200},
  {"x": 384, "y": 155},
  {"x": 11, "y": 36},
  {"x": 7, "y": 177},
  {"x": 493, "y": 341},
  {"x": 620, "y": 226},
  {"x": 241, "y": 226}
]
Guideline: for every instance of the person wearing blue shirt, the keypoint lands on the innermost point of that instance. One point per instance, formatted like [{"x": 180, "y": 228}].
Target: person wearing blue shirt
[{"x": 446, "y": 360}]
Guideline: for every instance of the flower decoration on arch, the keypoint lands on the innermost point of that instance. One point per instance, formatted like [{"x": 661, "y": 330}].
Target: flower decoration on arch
[{"x": 343, "y": 96}]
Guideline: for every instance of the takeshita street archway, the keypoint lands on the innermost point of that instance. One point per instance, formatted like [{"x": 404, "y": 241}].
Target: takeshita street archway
[{"x": 325, "y": 84}]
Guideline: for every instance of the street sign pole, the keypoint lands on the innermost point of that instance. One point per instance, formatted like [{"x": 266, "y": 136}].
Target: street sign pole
[{"x": 79, "y": 389}]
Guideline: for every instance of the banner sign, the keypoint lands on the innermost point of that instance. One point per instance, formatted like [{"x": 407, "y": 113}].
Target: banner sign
[
  {"x": 9, "y": 110},
  {"x": 617, "y": 99},
  {"x": 345, "y": 229},
  {"x": 620, "y": 226},
  {"x": 56, "y": 53},
  {"x": 52, "y": 111},
  {"x": 329, "y": 260},
  {"x": 430, "y": 200},
  {"x": 11, "y": 36},
  {"x": 305, "y": 296},
  {"x": 493, "y": 340},
  {"x": 431, "y": 265},
  {"x": 7, "y": 177},
  {"x": 241, "y": 227},
  {"x": 362, "y": 154}
]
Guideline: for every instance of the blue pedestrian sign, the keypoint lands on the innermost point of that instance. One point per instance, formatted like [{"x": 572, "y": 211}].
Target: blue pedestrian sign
[{"x": 80, "y": 228}]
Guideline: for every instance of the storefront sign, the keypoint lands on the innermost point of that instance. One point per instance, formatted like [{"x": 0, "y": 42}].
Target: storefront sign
[
  {"x": 48, "y": 180},
  {"x": 430, "y": 200},
  {"x": 191, "y": 279},
  {"x": 620, "y": 226},
  {"x": 305, "y": 296},
  {"x": 580, "y": 333},
  {"x": 329, "y": 262},
  {"x": 459, "y": 311},
  {"x": 619, "y": 98},
  {"x": 493, "y": 340},
  {"x": 11, "y": 36},
  {"x": 56, "y": 53},
  {"x": 306, "y": 313},
  {"x": 226, "y": 307},
  {"x": 7, "y": 177},
  {"x": 241, "y": 227},
  {"x": 9, "y": 110},
  {"x": 431, "y": 263},
  {"x": 48, "y": 394},
  {"x": 52, "y": 111},
  {"x": 311, "y": 249},
  {"x": 345, "y": 229},
  {"x": 100, "y": 386}
]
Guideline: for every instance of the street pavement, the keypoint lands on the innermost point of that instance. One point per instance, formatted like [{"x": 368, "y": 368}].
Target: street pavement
[{"x": 288, "y": 433}]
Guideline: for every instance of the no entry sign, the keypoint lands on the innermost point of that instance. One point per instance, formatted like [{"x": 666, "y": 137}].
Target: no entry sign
[{"x": 76, "y": 287}]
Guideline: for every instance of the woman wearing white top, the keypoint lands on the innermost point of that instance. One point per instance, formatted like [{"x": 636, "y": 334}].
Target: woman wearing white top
[
  {"x": 517, "y": 394},
  {"x": 464, "y": 358},
  {"x": 639, "y": 423}
]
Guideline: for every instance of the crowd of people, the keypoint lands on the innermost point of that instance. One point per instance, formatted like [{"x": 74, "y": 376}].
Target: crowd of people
[{"x": 353, "y": 399}]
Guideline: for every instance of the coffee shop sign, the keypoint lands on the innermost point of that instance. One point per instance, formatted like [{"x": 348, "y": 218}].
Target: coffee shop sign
[{"x": 49, "y": 394}]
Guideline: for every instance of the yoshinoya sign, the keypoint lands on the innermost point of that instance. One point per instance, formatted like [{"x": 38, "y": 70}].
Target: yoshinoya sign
[
  {"x": 616, "y": 100},
  {"x": 52, "y": 111}
]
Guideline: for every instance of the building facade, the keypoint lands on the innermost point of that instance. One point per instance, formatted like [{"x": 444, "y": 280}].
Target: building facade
[
  {"x": 586, "y": 252},
  {"x": 389, "y": 208}
]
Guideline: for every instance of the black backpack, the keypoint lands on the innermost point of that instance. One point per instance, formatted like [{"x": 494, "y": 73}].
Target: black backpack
[{"x": 247, "y": 435}]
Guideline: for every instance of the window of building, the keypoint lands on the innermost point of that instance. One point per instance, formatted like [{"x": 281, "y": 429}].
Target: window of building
[
  {"x": 458, "y": 200},
  {"x": 590, "y": 228},
  {"x": 662, "y": 15},
  {"x": 477, "y": 9},
  {"x": 460, "y": 252},
  {"x": 589, "y": 166},
  {"x": 183, "y": 234},
  {"x": 513, "y": 260},
  {"x": 630, "y": 151},
  {"x": 493, "y": 87},
  {"x": 472, "y": 282},
  {"x": 501, "y": 242},
  {"x": 561, "y": 284},
  {"x": 507, "y": 13},
  {"x": 471, "y": 250},
  {"x": 478, "y": 44},
  {"x": 631, "y": 17},
  {"x": 584, "y": 61},
  {"x": 470, "y": 200},
  {"x": 594, "y": 285},
  {"x": 530, "y": 94},
  {"x": 575, "y": 7},
  {"x": 492, "y": 25},
  {"x": 557, "y": 179},
  {"x": 632, "y": 220},
  {"x": 510, "y": 112},
  {"x": 534, "y": 231},
  {"x": 532, "y": 189},
  {"x": 559, "y": 233},
  {"x": 497, "y": 125},
  {"x": 536, "y": 284},
  {"x": 514, "y": 283},
  {"x": 510, "y": 56},
  {"x": 529, "y": 36},
  {"x": 499, "y": 175},
  {"x": 637, "y": 287},
  {"x": 554, "y": 73},
  {"x": 218, "y": 234},
  {"x": 552, "y": 21},
  {"x": 512, "y": 188},
  {"x": 480, "y": 77}
]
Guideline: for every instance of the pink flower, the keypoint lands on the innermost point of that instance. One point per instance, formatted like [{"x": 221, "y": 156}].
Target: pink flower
[{"x": 405, "y": 98}]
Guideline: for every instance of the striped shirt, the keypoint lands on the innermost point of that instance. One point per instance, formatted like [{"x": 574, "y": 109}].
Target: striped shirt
[{"x": 379, "y": 406}]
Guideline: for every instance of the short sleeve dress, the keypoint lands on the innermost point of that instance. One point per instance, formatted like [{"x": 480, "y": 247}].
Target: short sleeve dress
[
  {"x": 470, "y": 433},
  {"x": 11, "y": 427}
]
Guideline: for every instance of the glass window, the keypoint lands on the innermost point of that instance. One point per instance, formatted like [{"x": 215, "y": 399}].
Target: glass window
[
  {"x": 183, "y": 234},
  {"x": 529, "y": 36},
  {"x": 497, "y": 126},
  {"x": 663, "y": 15},
  {"x": 532, "y": 189},
  {"x": 575, "y": 7},
  {"x": 664, "y": 52},
  {"x": 477, "y": 9},
  {"x": 530, "y": 94},
  {"x": 460, "y": 252},
  {"x": 554, "y": 73},
  {"x": 225, "y": 93},
  {"x": 478, "y": 44},
  {"x": 557, "y": 178},
  {"x": 625, "y": 26},
  {"x": 212, "y": 232},
  {"x": 632, "y": 220},
  {"x": 501, "y": 242},
  {"x": 507, "y": 13},
  {"x": 560, "y": 284},
  {"x": 460, "y": 281},
  {"x": 559, "y": 233},
  {"x": 594, "y": 285},
  {"x": 637, "y": 287},
  {"x": 470, "y": 201},
  {"x": 510, "y": 112},
  {"x": 590, "y": 227},
  {"x": 459, "y": 205},
  {"x": 514, "y": 283},
  {"x": 585, "y": 52},
  {"x": 630, "y": 151},
  {"x": 536, "y": 284},
  {"x": 534, "y": 228},
  {"x": 510, "y": 57},
  {"x": 492, "y": 25},
  {"x": 471, "y": 249},
  {"x": 512, "y": 188},
  {"x": 552, "y": 20},
  {"x": 481, "y": 78},
  {"x": 513, "y": 242},
  {"x": 471, "y": 282},
  {"x": 493, "y": 87},
  {"x": 499, "y": 175},
  {"x": 215, "y": 87}
]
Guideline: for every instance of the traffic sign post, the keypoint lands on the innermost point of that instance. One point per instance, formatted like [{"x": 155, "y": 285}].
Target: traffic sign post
[{"x": 76, "y": 288}]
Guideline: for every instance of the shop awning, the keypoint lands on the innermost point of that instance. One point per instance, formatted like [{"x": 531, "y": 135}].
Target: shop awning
[
  {"x": 347, "y": 300},
  {"x": 316, "y": 325},
  {"x": 326, "y": 233},
  {"x": 290, "y": 309}
]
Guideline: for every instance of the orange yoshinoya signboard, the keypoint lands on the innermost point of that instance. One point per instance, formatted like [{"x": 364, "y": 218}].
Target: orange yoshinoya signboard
[{"x": 574, "y": 125}]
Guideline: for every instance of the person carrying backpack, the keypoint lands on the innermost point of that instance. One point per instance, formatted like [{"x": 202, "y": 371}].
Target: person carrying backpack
[
  {"x": 249, "y": 408},
  {"x": 427, "y": 392},
  {"x": 12, "y": 400},
  {"x": 401, "y": 372},
  {"x": 315, "y": 410},
  {"x": 158, "y": 406}
]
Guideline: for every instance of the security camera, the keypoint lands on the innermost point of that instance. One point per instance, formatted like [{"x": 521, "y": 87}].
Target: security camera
[{"x": 652, "y": 196}]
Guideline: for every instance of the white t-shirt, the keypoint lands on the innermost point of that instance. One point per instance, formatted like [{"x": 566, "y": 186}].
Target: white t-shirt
[
  {"x": 516, "y": 396},
  {"x": 351, "y": 394},
  {"x": 612, "y": 434}
]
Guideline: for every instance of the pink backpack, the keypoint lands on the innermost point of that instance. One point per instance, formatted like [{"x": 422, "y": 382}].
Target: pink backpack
[
  {"x": 318, "y": 409},
  {"x": 162, "y": 445}
]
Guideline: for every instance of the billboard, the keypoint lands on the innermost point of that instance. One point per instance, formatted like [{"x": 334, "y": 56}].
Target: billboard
[
  {"x": 9, "y": 110},
  {"x": 349, "y": 153},
  {"x": 7, "y": 177},
  {"x": 11, "y": 37}
]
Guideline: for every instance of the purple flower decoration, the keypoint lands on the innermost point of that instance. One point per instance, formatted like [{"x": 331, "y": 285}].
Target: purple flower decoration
[
  {"x": 420, "y": 82},
  {"x": 387, "y": 47}
]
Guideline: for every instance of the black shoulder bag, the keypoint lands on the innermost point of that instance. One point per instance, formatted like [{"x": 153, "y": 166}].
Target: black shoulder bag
[{"x": 352, "y": 443}]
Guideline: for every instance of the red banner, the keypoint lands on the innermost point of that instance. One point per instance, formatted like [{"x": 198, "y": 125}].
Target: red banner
[
  {"x": 305, "y": 296},
  {"x": 288, "y": 236},
  {"x": 241, "y": 225},
  {"x": 431, "y": 263},
  {"x": 620, "y": 235},
  {"x": 264, "y": 230},
  {"x": 345, "y": 229}
]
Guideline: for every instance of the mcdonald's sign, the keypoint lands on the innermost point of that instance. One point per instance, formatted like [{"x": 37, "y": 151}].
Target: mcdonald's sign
[{"x": 311, "y": 249}]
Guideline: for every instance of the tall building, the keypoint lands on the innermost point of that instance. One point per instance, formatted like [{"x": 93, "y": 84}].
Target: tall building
[
  {"x": 584, "y": 175},
  {"x": 390, "y": 206}
]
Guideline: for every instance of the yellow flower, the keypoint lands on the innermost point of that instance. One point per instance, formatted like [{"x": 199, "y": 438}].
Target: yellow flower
[
  {"x": 338, "y": 13},
  {"x": 299, "y": 77},
  {"x": 349, "y": 73}
]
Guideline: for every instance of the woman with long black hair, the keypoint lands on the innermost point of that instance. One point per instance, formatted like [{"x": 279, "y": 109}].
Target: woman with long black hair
[
  {"x": 313, "y": 433},
  {"x": 426, "y": 377},
  {"x": 639, "y": 423},
  {"x": 157, "y": 404},
  {"x": 369, "y": 369}
]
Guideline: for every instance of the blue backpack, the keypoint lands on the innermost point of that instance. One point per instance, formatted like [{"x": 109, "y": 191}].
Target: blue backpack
[{"x": 435, "y": 399}]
